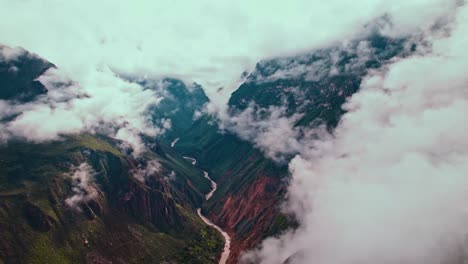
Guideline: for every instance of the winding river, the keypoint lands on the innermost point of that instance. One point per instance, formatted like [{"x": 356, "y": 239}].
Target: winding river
[
  {"x": 214, "y": 186},
  {"x": 227, "y": 244}
]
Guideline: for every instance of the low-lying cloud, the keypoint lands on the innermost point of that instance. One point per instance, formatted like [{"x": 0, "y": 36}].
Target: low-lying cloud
[
  {"x": 144, "y": 172},
  {"x": 83, "y": 188},
  {"x": 271, "y": 130},
  {"x": 390, "y": 184},
  {"x": 102, "y": 103},
  {"x": 9, "y": 54}
]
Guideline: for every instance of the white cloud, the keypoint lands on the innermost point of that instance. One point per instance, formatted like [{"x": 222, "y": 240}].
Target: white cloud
[
  {"x": 9, "y": 53},
  {"x": 100, "y": 103},
  {"x": 143, "y": 173},
  {"x": 390, "y": 185},
  {"x": 83, "y": 187},
  {"x": 271, "y": 130}
]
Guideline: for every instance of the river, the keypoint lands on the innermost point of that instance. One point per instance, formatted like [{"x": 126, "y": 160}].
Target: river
[
  {"x": 174, "y": 142},
  {"x": 214, "y": 186},
  {"x": 192, "y": 160},
  {"x": 227, "y": 244}
]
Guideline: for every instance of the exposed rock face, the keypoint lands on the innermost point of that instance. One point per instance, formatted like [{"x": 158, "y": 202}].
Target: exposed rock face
[
  {"x": 249, "y": 213},
  {"x": 37, "y": 218},
  {"x": 151, "y": 204},
  {"x": 93, "y": 208}
]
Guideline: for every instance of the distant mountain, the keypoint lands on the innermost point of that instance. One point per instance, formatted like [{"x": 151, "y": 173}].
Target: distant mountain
[
  {"x": 18, "y": 75},
  {"x": 180, "y": 104},
  {"x": 316, "y": 84}
]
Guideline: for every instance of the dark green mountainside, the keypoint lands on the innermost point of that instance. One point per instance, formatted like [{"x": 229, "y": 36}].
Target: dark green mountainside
[
  {"x": 18, "y": 76},
  {"x": 316, "y": 84},
  {"x": 179, "y": 104}
]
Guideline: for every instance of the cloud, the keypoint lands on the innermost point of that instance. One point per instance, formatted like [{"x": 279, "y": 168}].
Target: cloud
[
  {"x": 9, "y": 54},
  {"x": 171, "y": 177},
  {"x": 390, "y": 184},
  {"x": 101, "y": 103},
  {"x": 143, "y": 173},
  {"x": 210, "y": 42},
  {"x": 264, "y": 127},
  {"x": 83, "y": 187}
]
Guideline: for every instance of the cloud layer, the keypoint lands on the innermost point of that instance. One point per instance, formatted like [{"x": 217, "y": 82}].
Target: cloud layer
[
  {"x": 210, "y": 42},
  {"x": 390, "y": 185}
]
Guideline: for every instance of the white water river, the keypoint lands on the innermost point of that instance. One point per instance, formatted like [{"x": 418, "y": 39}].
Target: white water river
[
  {"x": 174, "y": 142},
  {"x": 192, "y": 160}
]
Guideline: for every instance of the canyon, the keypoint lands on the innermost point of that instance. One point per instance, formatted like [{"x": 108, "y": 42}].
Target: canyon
[{"x": 204, "y": 190}]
